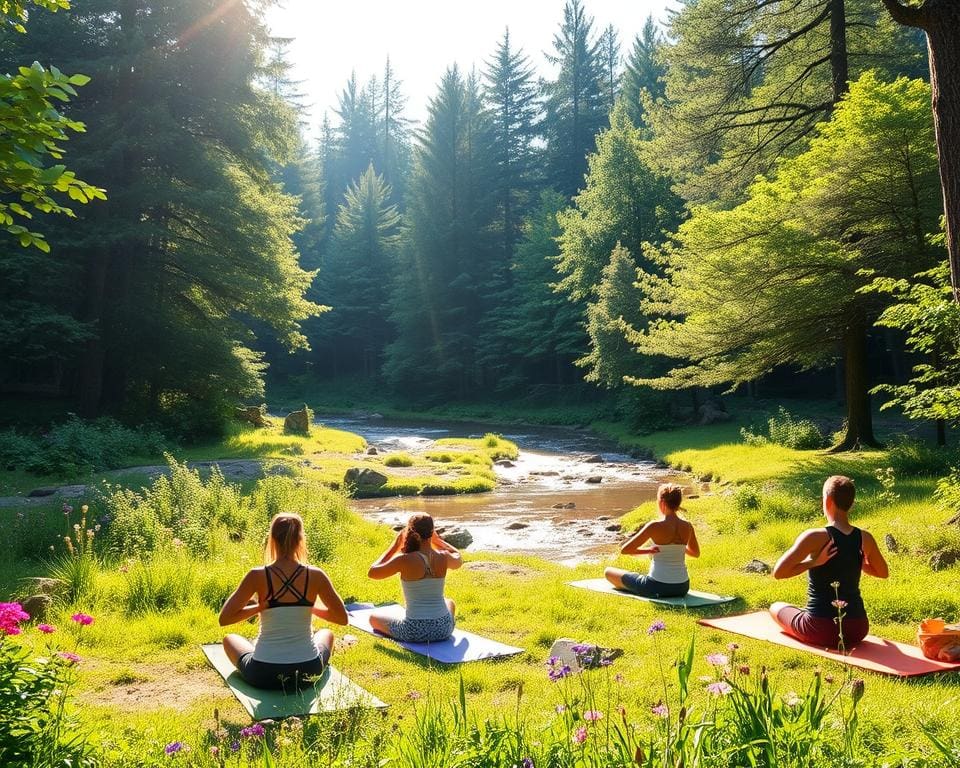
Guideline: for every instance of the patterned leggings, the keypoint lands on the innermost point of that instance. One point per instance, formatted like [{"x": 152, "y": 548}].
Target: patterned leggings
[{"x": 421, "y": 630}]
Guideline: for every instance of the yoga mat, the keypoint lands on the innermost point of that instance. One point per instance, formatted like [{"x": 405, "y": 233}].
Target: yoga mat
[
  {"x": 330, "y": 693},
  {"x": 692, "y": 599},
  {"x": 462, "y": 646},
  {"x": 884, "y": 656}
]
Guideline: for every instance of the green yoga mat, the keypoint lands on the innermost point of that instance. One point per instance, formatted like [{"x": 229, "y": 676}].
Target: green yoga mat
[
  {"x": 692, "y": 599},
  {"x": 330, "y": 693}
]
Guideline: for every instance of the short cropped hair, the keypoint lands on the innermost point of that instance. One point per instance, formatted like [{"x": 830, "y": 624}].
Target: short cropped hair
[{"x": 841, "y": 490}]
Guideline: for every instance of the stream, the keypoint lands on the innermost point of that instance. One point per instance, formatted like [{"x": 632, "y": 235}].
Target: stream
[{"x": 543, "y": 505}]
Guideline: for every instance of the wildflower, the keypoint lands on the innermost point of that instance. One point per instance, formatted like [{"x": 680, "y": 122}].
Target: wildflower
[
  {"x": 657, "y": 626},
  {"x": 856, "y": 690},
  {"x": 83, "y": 619},
  {"x": 791, "y": 700},
  {"x": 76, "y": 527},
  {"x": 527, "y": 762},
  {"x": 214, "y": 750},
  {"x": 718, "y": 659},
  {"x": 828, "y": 678},
  {"x": 744, "y": 669},
  {"x": 561, "y": 708},
  {"x": 174, "y": 747},
  {"x": 835, "y": 584},
  {"x": 592, "y": 715},
  {"x": 234, "y": 746},
  {"x": 660, "y": 709},
  {"x": 558, "y": 673},
  {"x": 733, "y": 647},
  {"x": 46, "y": 629},
  {"x": 839, "y": 604},
  {"x": 254, "y": 731},
  {"x": 67, "y": 509},
  {"x": 580, "y": 735},
  {"x": 11, "y": 615},
  {"x": 719, "y": 688},
  {"x": 414, "y": 695},
  {"x": 581, "y": 648},
  {"x": 71, "y": 657}
]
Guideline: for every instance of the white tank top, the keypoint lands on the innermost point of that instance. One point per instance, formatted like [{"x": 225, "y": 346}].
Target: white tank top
[
  {"x": 424, "y": 597},
  {"x": 669, "y": 565},
  {"x": 285, "y": 635}
]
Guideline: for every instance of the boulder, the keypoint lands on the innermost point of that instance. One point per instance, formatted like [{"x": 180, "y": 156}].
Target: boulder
[
  {"x": 891, "y": 543},
  {"x": 545, "y": 473},
  {"x": 712, "y": 413},
  {"x": 41, "y": 585},
  {"x": 280, "y": 469},
  {"x": 37, "y": 606},
  {"x": 457, "y": 537},
  {"x": 615, "y": 527},
  {"x": 504, "y": 463},
  {"x": 594, "y": 459},
  {"x": 364, "y": 478},
  {"x": 517, "y": 526},
  {"x": 372, "y": 451},
  {"x": 757, "y": 566},
  {"x": 252, "y": 414},
  {"x": 569, "y": 505},
  {"x": 595, "y": 479},
  {"x": 298, "y": 422},
  {"x": 943, "y": 559}
]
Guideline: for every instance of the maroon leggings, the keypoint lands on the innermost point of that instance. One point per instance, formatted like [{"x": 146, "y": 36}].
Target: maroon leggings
[{"x": 821, "y": 631}]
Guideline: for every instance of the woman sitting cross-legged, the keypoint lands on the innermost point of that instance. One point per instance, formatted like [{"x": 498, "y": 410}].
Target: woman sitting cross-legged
[
  {"x": 833, "y": 557},
  {"x": 422, "y": 560},
  {"x": 672, "y": 539},
  {"x": 289, "y": 593}
]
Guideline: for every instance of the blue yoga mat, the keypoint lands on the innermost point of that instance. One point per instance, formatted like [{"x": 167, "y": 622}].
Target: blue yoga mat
[
  {"x": 461, "y": 647},
  {"x": 692, "y": 599}
]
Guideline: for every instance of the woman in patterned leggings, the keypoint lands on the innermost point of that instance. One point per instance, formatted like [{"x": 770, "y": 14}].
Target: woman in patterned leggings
[{"x": 422, "y": 560}]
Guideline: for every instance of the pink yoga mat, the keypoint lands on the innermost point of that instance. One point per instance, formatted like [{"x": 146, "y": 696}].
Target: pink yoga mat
[{"x": 877, "y": 655}]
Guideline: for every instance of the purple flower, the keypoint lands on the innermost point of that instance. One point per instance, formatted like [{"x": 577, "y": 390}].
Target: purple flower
[
  {"x": 719, "y": 688},
  {"x": 657, "y": 626},
  {"x": 592, "y": 715},
  {"x": 581, "y": 648},
  {"x": 561, "y": 708},
  {"x": 580, "y": 735},
  {"x": 71, "y": 657},
  {"x": 254, "y": 731},
  {"x": 527, "y": 763},
  {"x": 718, "y": 659},
  {"x": 558, "y": 673},
  {"x": 660, "y": 709},
  {"x": 84, "y": 620},
  {"x": 234, "y": 746},
  {"x": 173, "y": 748}
]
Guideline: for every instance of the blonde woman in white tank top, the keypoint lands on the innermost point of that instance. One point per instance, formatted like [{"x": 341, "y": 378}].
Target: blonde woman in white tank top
[
  {"x": 422, "y": 559},
  {"x": 672, "y": 539}
]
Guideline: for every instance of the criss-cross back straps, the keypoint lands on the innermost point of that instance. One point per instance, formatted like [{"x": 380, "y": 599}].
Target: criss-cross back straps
[{"x": 287, "y": 585}]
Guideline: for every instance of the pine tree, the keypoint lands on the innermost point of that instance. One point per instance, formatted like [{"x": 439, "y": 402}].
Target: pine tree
[
  {"x": 609, "y": 52},
  {"x": 644, "y": 75},
  {"x": 443, "y": 292},
  {"x": 194, "y": 244},
  {"x": 574, "y": 101},
  {"x": 777, "y": 280}
]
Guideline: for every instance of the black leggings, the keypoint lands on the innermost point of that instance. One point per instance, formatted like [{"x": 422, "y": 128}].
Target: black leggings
[
  {"x": 282, "y": 677},
  {"x": 647, "y": 587}
]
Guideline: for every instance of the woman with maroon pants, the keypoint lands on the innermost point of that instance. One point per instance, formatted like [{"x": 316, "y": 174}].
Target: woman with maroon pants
[{"x": 833, "y": 558}]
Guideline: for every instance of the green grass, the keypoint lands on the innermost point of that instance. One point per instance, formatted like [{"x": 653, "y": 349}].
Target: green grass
[{"x": 534, "y": 607}]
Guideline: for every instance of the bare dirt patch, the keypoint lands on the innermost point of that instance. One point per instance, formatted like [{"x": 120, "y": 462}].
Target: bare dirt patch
[
  {"x": 491, "y": 566},
  {"x": 158, "y": 687}
]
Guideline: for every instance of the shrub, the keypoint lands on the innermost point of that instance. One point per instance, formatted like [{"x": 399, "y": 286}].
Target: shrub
[
  {"x": 398, "y": 460},
  {"x": 908, "y": 456},
  {"x": 746, "y": 497},
  {"x": 159, "y": 584},
  {"x": 786, "y": 430}
]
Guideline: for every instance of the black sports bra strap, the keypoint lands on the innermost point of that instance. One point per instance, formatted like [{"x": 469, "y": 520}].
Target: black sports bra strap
[
  {"x": 288, "y": 585},
  {"x": 266, "y": 570}
]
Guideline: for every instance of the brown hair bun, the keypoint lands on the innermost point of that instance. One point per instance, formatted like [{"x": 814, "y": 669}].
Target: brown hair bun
[
  {"x": 419, "y": 529},
  {"x": 670, "y": 494}
]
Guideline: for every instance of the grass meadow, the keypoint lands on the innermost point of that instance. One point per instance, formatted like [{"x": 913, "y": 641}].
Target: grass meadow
[{"x": 143, "y": 682}]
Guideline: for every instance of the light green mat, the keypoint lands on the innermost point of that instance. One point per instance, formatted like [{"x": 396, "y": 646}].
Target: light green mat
[
  {"x": 692, "y": 599},
  {"x": 330, "y": 693}
]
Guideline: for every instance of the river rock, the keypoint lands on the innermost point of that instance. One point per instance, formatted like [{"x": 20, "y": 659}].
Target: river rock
[
  {"x": 603, "y": 518},
  {"x": 943, "y": 559},
  {"x": 615, "y": 527},
  {"x": 252, "y": 414},
  {"x": 504, "y": 463},
  {"x": 37, "y": 606},
  {"x": 372, "y": 451},
  {"x": 595, "y": 479},
  {"x": 457, "y": 537},
  {"x": 891, "y": 543},
  {"x": 594, "y": 459},
  {"x": 517, "y": 526},
  {"x": 546, "y": 473},
  {"x": 757, "y": 566},
  {"x": 569, "y": 505},
  {"x": 42, "y": 585},
  {"x": 364, "y": 478},
  {"x": 298, "y": 422}
]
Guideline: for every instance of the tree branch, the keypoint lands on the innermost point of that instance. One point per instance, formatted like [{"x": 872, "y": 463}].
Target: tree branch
[{"x": 905, "y": 14}]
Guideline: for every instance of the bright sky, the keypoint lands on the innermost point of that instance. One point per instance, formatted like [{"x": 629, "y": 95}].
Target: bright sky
[{"x": 423, "y": 37}]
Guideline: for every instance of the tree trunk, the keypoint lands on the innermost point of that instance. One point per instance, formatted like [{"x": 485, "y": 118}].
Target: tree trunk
[
  {"x": 90, "y": 385},
  {"x": 859, "y": 417},
  {"x": 839, "y": 68},
  {"x": 940, "y": 19}
]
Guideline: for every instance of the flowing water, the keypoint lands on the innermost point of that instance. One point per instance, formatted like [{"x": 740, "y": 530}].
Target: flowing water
[{"x": 543, "y": 503}]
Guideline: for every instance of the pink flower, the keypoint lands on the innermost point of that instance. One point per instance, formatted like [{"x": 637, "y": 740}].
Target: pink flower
[
  {"x": 580, "y": 735},
  {"x": 592, "y": 715},
  {"x": 46, "y": 629},
  {"x": 719, "y": 688},
  {"x": 718, "y": 659},
  {"x": 660, "y": 710},
  {"x": 71, "y": 657},
  {"x": 839, "y": 604},
  {"x": 83, "y": 619},
  {"x": 11, "y": 615}
]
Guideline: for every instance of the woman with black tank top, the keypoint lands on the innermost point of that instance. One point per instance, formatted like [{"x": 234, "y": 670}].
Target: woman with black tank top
[
  {"x": 286, "y": 653},
  {"x": 833, "y": 557}
]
